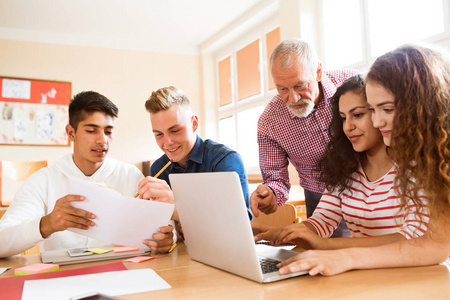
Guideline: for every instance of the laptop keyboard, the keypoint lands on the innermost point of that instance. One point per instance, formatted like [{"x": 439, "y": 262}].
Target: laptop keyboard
[{"x": 268, "y": 265}]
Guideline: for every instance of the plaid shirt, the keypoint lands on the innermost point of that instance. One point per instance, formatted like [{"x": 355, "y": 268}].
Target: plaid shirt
[{"x": 283, "y": 137}]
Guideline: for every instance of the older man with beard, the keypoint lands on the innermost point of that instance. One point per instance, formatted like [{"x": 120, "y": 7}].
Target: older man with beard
[{"x": 294, "y": 125}]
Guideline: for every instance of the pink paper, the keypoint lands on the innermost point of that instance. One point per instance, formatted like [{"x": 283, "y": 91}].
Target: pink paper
[
  {"x": 139, "y": 259},
  {"x": 36, "y": 268},
  {"x": 125, "y": 249}
]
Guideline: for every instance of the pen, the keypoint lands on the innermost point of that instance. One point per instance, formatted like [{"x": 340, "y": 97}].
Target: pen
[
  {"x": 173, "y": 247},
  {"x": 157, "y": 174}
]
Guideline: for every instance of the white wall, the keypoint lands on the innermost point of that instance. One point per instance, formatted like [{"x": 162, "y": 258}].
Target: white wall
[{"x": 125, "y": 77}]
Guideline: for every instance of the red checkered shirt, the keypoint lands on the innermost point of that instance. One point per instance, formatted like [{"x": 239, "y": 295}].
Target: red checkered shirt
[{"x": 283, "y": 137}]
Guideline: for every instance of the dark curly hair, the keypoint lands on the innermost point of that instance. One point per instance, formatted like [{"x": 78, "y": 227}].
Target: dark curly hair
[{"x": 340, "y": 160}]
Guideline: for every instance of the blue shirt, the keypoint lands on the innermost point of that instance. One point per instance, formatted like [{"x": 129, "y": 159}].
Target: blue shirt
[{"x": 207, "y": 156}]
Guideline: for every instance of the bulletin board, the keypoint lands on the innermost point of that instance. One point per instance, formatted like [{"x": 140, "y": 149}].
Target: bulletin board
[{"x": 34, "y": 112}]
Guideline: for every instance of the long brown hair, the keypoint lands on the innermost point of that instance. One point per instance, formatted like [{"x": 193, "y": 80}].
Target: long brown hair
[
  {"x": 340, "y": 160},
  {"x": 419, "y": 79}
]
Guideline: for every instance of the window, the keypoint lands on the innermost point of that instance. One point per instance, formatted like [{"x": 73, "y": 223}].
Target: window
[
  {"x": 245, "y": 87},
  {"x": 225, "y": 81},
  {"x": 355, "y": 32},
  {"x": 248, "y": 73}
]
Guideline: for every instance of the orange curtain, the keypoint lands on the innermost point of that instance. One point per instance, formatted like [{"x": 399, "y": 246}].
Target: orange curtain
[
  {"x": 249, "y": 78},
  {"x": 225, "y": 81}
]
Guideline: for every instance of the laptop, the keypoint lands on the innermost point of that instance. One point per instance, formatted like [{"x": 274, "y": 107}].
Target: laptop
[
  {"x": 62, "y": 256},
  {"x": 217, "y": 229}
]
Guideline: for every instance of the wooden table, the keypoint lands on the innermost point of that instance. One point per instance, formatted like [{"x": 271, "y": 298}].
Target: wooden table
[{"x": 193, "y": 280}]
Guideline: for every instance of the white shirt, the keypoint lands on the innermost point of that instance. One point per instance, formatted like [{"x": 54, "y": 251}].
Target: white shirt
[{"x": 19, "y": 227}]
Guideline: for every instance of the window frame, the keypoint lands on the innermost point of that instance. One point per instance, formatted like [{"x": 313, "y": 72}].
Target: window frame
[
  {"x": 441, "y": 39},
  {"x": 262, "y": 99}
]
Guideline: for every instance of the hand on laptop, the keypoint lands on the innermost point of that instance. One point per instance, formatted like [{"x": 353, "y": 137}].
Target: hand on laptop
[
  {"x": 64, "y": 216},
  {"x": 259, "y": 228},
  {"x": 162, "y": 241},
  {"x": 302, "y": 235},
  {"x": 263, "y": 199},
  {"x": 157, "y": 190},
  {"x": 327, "y": 263},
  {"x": 265, "y": 232}
]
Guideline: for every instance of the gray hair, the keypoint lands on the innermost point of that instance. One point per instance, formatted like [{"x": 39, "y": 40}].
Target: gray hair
[{"x": 289, "y": 50}]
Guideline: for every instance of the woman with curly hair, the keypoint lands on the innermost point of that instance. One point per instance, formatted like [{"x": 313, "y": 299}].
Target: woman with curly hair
[
  {"x": 409, "y": 92},
  {"x": 359, "y": 175}
]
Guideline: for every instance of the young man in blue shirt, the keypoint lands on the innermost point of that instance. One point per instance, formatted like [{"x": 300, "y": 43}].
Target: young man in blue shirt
[{"x": 174, "y": 126}]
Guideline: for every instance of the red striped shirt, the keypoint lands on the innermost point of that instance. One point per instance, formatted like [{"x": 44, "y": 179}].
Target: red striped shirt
[{"x": 369, "y": 209}]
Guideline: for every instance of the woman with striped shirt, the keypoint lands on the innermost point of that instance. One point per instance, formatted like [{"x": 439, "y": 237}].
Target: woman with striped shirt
[{"x": 359, "y": 175}]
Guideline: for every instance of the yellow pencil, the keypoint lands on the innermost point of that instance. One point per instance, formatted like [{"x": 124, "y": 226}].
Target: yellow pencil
[
  {"x": 172, "y": 248},
  {"x": 162, "y": 170},
  {"x": 157, "y": 174}
]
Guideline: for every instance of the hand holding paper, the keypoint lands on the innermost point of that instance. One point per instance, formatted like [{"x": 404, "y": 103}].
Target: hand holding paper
[
  {"x": 119, "y": 219},
  {"x": 162, "y": 241},
  {"x": 65, "y": 216}
]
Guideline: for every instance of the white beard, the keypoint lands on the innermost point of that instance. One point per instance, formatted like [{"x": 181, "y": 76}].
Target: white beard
[{"x": 304, "y": 111}]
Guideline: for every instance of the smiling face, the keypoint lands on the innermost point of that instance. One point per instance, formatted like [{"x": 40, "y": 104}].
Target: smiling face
[
  {"x": 381, "y": 102},
  {"x": 91, "y": 141},
  {"x": 174, "y": 131},
  {"x": 298, "y": 88},
  {"x": 357, "y": 123}
]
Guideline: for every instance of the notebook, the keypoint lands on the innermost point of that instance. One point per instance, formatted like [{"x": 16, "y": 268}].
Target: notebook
[
  {"x": 62, "y": 257},
  {"x": 216, "y": 227}
]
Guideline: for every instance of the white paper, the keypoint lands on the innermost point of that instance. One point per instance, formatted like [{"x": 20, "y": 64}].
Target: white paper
[
  {"x": 265, "y": 247},
  {"x": 3, "y": 270},
  {"x": 45, "y": 124},
  {"x": 119, "y": 219},
  {"x": 16, "y": 89},
  {"x": 109, "y": 283}
]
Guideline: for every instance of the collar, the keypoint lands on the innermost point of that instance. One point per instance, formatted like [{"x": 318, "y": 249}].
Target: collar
[
  {"x": 197, "y": 151},
  {"x": 196, "y": 154},
  {"x": 328, "y": 88}
]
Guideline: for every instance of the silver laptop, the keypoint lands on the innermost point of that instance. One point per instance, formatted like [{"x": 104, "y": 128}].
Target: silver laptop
[
  {"x": 217, "y": 229},
  {"x": 62, "y": 257}
]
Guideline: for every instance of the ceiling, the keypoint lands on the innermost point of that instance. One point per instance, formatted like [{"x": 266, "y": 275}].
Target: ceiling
[{"x": 171, "y": 26}]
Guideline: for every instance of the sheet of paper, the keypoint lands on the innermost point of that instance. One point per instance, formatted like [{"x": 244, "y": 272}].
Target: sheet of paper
[
  {"x": 3, "y": 270},
  {"x": 120, "y": 219},
  {"x": 110, "y": 283},
  {"x": 11, "y": 287}
]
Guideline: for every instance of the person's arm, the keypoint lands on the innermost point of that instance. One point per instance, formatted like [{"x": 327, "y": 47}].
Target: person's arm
[
  {"x": 431, "y": 248},
  {"x": 314, "y": 232},
  {"x": 263, "y": 199},
  {"x": 65, "y": 216},
  {"x": 412, "y": 227},
  {"x": 274, "y": 164},
  {"x": 25, "y": 223}
]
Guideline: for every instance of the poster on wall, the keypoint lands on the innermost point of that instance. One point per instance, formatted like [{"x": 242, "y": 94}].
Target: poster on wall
[{"x": 34, "y": 112}]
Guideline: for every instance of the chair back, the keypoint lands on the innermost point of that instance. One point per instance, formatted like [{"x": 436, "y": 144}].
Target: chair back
[
  {"x": 12, "y": 175},
  {"x": 285, "y": 215}
]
